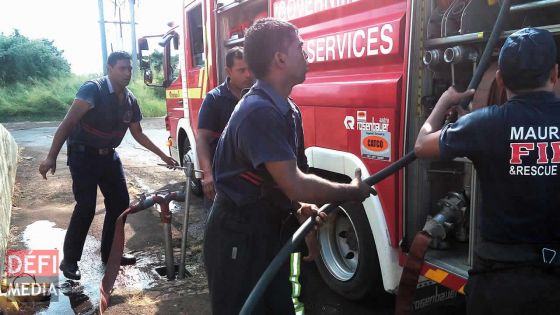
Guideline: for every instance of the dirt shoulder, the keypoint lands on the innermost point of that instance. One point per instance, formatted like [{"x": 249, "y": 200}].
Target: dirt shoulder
[{"x": 42, "y": 210}]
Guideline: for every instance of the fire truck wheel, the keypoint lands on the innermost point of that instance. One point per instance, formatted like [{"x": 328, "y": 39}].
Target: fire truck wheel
[
  {"x": 196, "y": 185},
  {"x": 349, "y": 264}
]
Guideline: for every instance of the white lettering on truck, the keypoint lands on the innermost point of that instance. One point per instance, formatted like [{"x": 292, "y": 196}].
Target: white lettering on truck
[
  {"x": 372, "y": 41},
  {"x": 293, "y": 9}
]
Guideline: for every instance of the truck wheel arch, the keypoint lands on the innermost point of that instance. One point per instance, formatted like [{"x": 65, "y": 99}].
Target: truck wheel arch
[{"x": 338, "y": 164}]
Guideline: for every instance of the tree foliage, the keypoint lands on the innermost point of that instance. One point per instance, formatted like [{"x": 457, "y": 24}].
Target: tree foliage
[
  {"x": 23, "y": 59},
  {"x": 156, "y": 61}
]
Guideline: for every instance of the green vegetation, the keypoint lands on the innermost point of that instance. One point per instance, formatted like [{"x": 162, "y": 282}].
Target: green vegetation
[
  {"x": 22, "y": 59},
  {"x": 150, "y": 99},
  {"x": 36, "y": 83},
  {"x": 50, "y": 99},
  {"x": 38, "y": 100}
]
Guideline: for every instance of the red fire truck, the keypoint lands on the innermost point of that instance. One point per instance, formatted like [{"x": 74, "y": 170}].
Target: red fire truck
[{"x": 376, "y": 69}]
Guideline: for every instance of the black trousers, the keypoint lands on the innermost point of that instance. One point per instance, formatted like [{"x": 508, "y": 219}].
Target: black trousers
[
  {"x": 498, "y": 288},
  {"x": 239, "y": 244},
  {"x": 89, "y": 171}
]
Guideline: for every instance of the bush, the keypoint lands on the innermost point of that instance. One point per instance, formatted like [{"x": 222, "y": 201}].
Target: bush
[
  {"x": 50, "y": 99},
  {"x": 22, "y": 59},
  {"x": 150, "y": 99},
  {"x": 38, "y": 100}
]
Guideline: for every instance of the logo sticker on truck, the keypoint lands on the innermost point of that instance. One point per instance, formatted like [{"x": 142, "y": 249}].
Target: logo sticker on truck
[
  {"x": 376, "y": 145},
  {"x": 375, "y": 140}
]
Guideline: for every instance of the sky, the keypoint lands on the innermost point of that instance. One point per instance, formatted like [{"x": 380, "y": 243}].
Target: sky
[{"x": 74, "y": 28}]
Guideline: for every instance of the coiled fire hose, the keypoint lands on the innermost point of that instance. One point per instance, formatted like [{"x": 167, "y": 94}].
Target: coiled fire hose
[{"x": 411, "y": 272}]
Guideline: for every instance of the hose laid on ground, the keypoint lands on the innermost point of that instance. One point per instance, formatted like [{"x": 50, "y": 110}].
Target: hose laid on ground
[
  {"x": 117, "y": 247},
  {"x": 299, "y": 235}
]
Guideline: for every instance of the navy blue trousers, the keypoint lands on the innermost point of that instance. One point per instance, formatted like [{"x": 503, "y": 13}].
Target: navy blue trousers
[
  {"x": 514, "y": 290},
  {"x": 239, "y": 244},
  {"x": 89, "y": 171}
]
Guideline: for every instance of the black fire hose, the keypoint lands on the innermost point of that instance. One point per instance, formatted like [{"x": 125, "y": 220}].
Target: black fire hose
[{"x": 299, "y": 235}]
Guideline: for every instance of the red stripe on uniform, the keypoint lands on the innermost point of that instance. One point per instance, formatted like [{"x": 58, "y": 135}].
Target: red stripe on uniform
[
  {"x": 96, "y": 132},
  {"x": 254, "y": 176},
  {"x": 249, "y": 179}
]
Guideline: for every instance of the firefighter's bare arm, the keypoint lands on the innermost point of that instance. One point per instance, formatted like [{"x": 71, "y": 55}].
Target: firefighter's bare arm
[
  {"x": 203, "y": 140},
  {"x": 77, "y": 110},
  {"x": 427, "y": 142},
  {"x": 313, "y": 189},
  {"x": 140, "y": 137}
]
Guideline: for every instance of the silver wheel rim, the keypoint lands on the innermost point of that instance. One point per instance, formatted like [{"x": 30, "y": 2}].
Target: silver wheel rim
[
  {"x": 339, "y": 245},
  {"x": 186, "y": 158}
]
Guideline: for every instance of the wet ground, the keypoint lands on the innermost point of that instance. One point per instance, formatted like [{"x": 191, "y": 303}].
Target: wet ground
[{"x": 42, "y": 210}]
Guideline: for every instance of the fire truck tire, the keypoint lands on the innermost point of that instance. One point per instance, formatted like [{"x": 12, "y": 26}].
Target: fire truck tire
[
  {"x": 349, "y": 264},
  {"x": 196, "y": 185}
]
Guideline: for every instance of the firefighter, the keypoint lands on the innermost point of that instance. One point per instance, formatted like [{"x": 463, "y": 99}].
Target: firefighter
[
  {"x": 103, "y": 110},
  {"x": 515, "y": 148},
  {"x": 214, "y": 115},
  {"x": 257, "y": 177}
]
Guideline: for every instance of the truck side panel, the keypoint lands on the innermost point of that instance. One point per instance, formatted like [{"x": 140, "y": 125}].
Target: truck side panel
[{"x": 352, "y": 97}]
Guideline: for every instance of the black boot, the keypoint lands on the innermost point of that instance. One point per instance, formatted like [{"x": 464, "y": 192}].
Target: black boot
[
  {"x": 126, "y": 259},
  {"x": 70, "y": 270}
]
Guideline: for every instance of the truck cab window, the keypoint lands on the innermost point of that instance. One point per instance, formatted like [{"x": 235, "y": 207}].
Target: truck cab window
[{"x": 196, "y": 36}]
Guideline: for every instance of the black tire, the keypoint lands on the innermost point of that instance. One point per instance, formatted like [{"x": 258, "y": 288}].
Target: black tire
[
  {"x": 196, "y": 185},
  {"x": 349, "y": 264}
]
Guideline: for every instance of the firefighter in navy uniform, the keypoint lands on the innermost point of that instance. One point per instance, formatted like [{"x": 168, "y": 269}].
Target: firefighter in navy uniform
[
  {"x": 214, "y": 114},
  {"x": 103, "y": 110},
  {"x": 515, "y": 148},
  {"x": 258, "y": 181}
]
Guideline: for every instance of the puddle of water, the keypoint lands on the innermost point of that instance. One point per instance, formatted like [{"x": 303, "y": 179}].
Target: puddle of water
[
  {"x": 176, "y": 207},
  {"x": 82, "y": 297}
]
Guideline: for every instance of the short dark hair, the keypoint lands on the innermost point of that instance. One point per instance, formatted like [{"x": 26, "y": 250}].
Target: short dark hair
[
  {"x": 116, "y": 56},
  {"x": 232, "y": 54},
  {"x": 262, "y": 40},
  {"x": 526, "y": 59}
]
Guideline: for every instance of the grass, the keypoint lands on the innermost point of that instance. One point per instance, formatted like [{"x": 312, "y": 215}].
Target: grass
[{"x": 50, "y": 100}]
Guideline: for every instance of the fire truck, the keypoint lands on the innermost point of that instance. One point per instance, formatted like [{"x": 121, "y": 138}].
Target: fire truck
[{"x": 376, "y": 69}]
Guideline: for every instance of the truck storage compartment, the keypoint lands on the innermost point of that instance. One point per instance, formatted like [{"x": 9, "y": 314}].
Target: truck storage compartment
[{"x": 451, "y": 38}]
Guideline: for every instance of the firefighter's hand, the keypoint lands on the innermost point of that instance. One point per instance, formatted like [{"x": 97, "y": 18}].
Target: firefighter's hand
[
  {"x": 46, "y": 165},
  {"x": 363, "y": 190},
  {"x": 307, "y": 210},
  {"x": 313, "y": 247},
  {"x": 208, "y": 186},
  {"x": 451, "y": 98},
  {"x": 171, "y": 163}
]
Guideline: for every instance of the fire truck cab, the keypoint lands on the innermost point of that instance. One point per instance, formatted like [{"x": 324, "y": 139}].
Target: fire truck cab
[{"x": 376, "y": 69}]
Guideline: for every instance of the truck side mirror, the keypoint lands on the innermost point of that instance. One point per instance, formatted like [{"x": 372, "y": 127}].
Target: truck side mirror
[
  {"x": 143, "y": 45},
  {"x": 148, "y": 76}
]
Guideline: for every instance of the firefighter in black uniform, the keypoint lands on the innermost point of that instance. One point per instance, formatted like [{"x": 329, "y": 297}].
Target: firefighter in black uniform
[
  {"x": 257, "y": 177},
  {"x": 515, "y": 148},
  {"x": 103, "y": 110}
]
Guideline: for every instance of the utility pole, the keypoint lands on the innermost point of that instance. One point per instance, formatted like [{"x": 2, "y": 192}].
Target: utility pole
[
  {"x": 133, "y": 35},
  {"x": 103, "y": 37}
]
